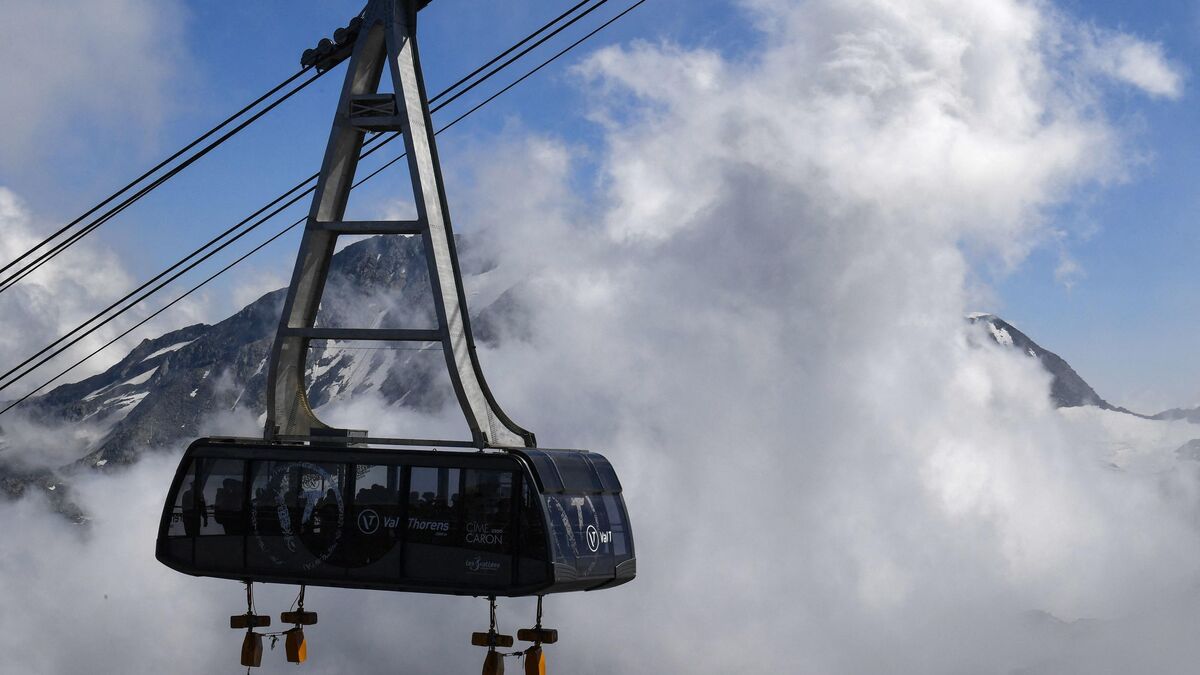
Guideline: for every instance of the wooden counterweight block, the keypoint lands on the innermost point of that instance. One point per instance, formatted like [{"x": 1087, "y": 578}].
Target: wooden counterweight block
[
  {"x": 535, "y": 661},
  {"x": 252, "y": 650}
]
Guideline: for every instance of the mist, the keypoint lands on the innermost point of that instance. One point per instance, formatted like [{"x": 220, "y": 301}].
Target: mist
[{"x": 754, "y": 307}]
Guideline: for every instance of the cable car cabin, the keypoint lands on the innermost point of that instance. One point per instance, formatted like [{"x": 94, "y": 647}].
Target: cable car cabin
[{"x": 526, "y": 522}]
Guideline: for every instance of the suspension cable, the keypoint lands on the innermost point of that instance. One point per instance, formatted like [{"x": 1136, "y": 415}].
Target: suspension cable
[
  {"x": 26, "y": 270},
  {"x": 273, "y": 237},
  {"x": 156, "y": 167},
  {"x": 528, "y": 49},
  {"x": 183, "y": 263},
  {"x": 108, "y": 215},
  {"x": 510, "y": 50}
]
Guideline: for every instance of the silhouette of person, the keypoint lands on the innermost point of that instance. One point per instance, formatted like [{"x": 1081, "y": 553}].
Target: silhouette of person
[
  {"x": 228, "y": 507},
  {"x": 327, "y": 513},
  {"x": 194, "y": 512}
]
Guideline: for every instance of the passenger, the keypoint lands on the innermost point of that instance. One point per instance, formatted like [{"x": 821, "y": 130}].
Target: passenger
[
  {"x": 228, "y": 507},
  {"x": 193, "y": 512},
  {"x": 327, "y": 513}
]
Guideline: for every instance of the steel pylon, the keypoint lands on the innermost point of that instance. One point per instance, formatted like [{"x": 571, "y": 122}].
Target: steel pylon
[{"x": 386, "y": 38}]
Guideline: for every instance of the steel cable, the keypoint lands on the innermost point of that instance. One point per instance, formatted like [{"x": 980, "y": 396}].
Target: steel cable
[
  {"x": 273, "y": 237},
  {"x": 27, "y": 269}
]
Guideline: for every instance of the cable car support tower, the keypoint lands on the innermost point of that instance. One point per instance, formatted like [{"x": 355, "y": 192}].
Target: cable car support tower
[{"x": 386, "y": 38}]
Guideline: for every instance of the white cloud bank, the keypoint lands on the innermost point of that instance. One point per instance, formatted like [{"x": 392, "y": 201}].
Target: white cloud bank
[
  {"x": 57, "y": 297},
  {"x": 62, "y": 294},
  {"x": 102, "y": 64},
  {"x": 759, "y": 319}
]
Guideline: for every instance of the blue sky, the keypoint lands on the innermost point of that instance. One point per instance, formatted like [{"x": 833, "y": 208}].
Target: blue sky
[
  {"x": 1129, "y": 324},
  {"x": 752, "y": 286},
  {"x": 1126, "y": 321}
]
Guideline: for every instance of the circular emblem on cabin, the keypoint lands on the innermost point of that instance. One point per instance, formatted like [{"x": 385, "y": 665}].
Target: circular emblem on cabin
[
  {"x": 592, "y": 535},
  {"x": 368, "y": 521},
  {"x": 297, "y": 515}
]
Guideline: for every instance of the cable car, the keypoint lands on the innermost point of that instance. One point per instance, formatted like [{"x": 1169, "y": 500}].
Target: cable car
[
  {"x": 308, "y": 504},
  {"x": 499, "y": 523}
]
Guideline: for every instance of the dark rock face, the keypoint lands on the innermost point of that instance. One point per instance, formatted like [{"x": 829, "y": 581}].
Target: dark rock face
[
  {"x": 1189, "y": 450},
  {"x": 1067, "y": 389},
  {"x": 161, "y": 394},
  {"x": 1190, "y": 414}
]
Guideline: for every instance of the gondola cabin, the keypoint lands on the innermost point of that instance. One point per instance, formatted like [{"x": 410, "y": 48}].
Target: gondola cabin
[{"x": 491, "y": 523}]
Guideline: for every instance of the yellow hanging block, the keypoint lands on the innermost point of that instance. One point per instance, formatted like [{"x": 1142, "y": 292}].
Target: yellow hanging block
[
  {"x": 535, "y": 661},
  {"x": 252, "y": 650},
  {"x": 493, "y": 664},
  {"x": 296, "y": 646}
]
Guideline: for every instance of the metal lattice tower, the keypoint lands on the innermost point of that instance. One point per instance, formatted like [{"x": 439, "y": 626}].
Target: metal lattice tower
[{"x": 386, "y": 38}]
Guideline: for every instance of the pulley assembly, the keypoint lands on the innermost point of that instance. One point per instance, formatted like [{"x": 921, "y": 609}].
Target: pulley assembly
[{"x": 534, "y": 657}]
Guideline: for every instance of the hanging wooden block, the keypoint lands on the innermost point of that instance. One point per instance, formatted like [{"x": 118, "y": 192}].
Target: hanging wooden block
[
  {"x": 252, "y": 650},
  {"x": 296, "y": 646},
  {"x": 491, "y": 639},
  {"x": 493, "y": 664},
  {"x": 302, "y": 618},
  {"x": 546, "y": 636},
  {"x": 535, "y": 661},
  {"x": 240, "y": 621}
]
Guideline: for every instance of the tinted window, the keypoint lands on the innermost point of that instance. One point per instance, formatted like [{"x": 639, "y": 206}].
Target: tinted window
[
  {"x": 546, "y": 472},
  {"x": 532, "y": 545},
  {"x": 433, "y": 504},
  {"x": 577, "y": 473},
  {"x": 622, "y": 539},
  {"x": 373, "y": 527},
  {"x": 218, "y": 492},
  {"x": 297, "y": 513},
  {"x": 185, "y": 516},
  {"x": 487, "y": 510},
  {"x": 608, "y": 477},
  {"x": 459, "y": 526},
  {"x": 581, "y": 533},
  {"x": 221, "y": 490}
]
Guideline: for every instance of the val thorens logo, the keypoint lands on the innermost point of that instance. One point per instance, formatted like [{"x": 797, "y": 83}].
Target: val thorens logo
[
  {"x": 368, "y": 521},
  {"x": 596, "y": 537}
]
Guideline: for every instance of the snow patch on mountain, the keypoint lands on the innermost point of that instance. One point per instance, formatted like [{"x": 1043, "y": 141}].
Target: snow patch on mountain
[{"x": 168, "y": 349}]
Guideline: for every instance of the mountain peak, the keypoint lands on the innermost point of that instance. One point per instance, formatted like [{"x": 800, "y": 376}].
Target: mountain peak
[{"x": 1067, "y": 388}]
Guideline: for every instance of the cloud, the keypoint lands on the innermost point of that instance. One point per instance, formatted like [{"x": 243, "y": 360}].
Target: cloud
[
  {"x": 106, "y": 63},
  {"x": 1134, "y": 62},
  {"x": 252, "y": 286},
  {"x": 1068, "y": 271},
  {"x": 62, "y": 294},
  {"x": 758, "y": 316}
]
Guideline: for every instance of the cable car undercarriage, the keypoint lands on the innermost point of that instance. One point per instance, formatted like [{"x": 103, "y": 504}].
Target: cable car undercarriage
[{"x": 311, "y": 505}]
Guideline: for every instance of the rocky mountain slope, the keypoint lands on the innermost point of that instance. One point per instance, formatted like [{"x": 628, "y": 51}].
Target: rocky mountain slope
[
  {"x": 1067, "y": 389},
  {"x": 1190, "y": 414},
  {"x": 167, "y": 388}
]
